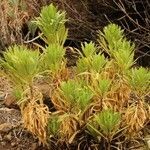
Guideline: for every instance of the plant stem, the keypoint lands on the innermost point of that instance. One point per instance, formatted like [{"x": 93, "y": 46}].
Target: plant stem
[{"x": 31, "y": 90}]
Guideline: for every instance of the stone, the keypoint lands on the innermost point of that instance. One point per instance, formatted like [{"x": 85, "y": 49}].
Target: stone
[
  {"x": 9, "y": 119},
  {"x": 10, "y": 100},
  {"x": 5, "y": 127}
]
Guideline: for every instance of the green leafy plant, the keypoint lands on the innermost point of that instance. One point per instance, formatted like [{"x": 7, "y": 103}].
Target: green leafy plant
[
  {"x": 54, "y": 125},
  {"x": 91, "y": 62},
  {"x": 96, "y": 93},
  {"x": 83, "y": 65},
  {"x": 88, "y": 49},
  {"x": 53, "y": 57},
  {"x": 139, "y": 79},
  {"x": 21, "y": 64},
  {"x": 98, "y": 62},
  {"x": 105, "y": 124},
  {"x": 103, "y": 86},
  {"x": 69, "y": 90},
  {"x": 108, "y": 120},
  {"x": 52, "y": 24},
  {"x": 117, "y": 46},
  {"x": 77, "y": 95}
]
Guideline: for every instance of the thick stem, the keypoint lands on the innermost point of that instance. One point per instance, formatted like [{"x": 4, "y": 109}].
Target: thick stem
[
  {"x": 108, "y": 143},
  {"x": 109, "y": 139},
  {"x": 101, "y": 104},
  {"x": 31, "y": 90},
  {"x": 109, "y": 146}
]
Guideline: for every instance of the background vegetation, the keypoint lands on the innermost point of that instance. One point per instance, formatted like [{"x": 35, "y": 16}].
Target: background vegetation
[{"x": 85, "y": 18}]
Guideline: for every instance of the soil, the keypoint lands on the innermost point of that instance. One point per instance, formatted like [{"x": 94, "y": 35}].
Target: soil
[{"x": 12, "y": 134}]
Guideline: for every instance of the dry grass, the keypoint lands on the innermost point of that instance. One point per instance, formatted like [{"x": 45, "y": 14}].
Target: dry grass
[
  {"x": 15, "y": 16},
  {"x": 35, "y": 115}
]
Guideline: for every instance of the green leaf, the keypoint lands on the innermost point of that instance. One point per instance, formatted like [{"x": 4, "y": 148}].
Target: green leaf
[
  {"x": 98, "y": 62},
  {"x": 21, "y": 64},
  {"x": 124, "y": 59},
  {"x": 112, "y": 33},
  {"x": 83, "y": 65},
  {"x": 84, "y": 97},
  {"x": 52, "y": 57},
  {"x": 108, "y": 120},
  {"x": 69, "y": 90},
  {"x": 52, "y": 24},
  {"x": 103, "y": 86},
  {"x": 117, "y": 46},
  {"x": 89, "y": 49},
  {"x": 54, "y": 125},
  {"x": 78, "y": 95},
  {"x": 139, "y": 79}
]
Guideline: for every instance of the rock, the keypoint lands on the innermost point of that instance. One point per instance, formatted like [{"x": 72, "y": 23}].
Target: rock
[
  {"x": 3, "y": 143},
  {"x": 9, "y": 119},
  {"x": 148, "y": 143},
  {"x": 1, "y": 139},
  {"x": 34, "y": 146},
  {"x": 2, "y": 95},
  {"x": 44, "y": 89},
  {"x": 5, "y": 127},
  {"x": 13, "y": 144},
  {"x": 10, "y": 101},
  {"x": 147, "y": 140},
  {"x": 8, "y": 137}
]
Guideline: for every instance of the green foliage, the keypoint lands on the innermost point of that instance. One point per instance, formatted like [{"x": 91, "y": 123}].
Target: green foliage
[
  {"x": 96, "y": 83},
  {"x": 105, "y": 123},
  {"x": 54, "y": 125},
  {"x": 139, "y": 79},
  {"x": 52, "y": 24},
  {"x": 117, "y": 46},
  {"x": 76, "y": 94},
  {"x": 88, "y": 49},
  {"x": 103, "y": 86},
  {"x": 69, "y": 90},
  {"x": 84, "y": 97},
  {"x": 98, "y": 62},
  {"x": 83, "y": 65},
  {"x": 91, "y": 61},
  {"x": 52, "y": 57},
  {"x": 21, "y": 64},
  {"x": 124, "y": 58},
  {"x": 113, "y": 33},
  {"x": 108, "y": 120},
  {"x": 17, "y": 93}
]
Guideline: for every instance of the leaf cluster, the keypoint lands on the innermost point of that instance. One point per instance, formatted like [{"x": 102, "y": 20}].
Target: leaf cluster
[
  {"x": 52, "y": 24},
  {"x": 21, "y": 64},
  {"x": 113, "y": 42},
  {"x": 90, "y": 60}
]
